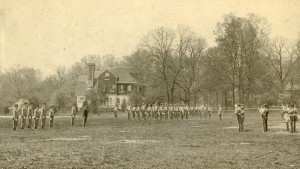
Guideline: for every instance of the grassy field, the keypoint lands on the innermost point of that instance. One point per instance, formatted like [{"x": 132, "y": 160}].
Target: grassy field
[{"x": 194, "y": 143}]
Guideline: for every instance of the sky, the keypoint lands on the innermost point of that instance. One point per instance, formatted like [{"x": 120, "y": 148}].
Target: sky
[{"x": 45, "y": 34}]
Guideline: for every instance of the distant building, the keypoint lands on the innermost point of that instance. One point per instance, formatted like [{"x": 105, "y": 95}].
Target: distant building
[{"x": 113, "y": 84}]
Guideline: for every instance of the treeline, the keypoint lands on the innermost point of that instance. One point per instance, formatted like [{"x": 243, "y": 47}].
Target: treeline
[
  {"x": 58, "y": 89},
  {"x": 246, "y": 66}
]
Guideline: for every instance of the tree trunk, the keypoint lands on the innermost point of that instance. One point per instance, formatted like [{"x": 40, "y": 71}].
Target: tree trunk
[
  {"x": 225, "y": 98},
  {"x": 196, "y": 99},
  {"x": 217, "y": 98}
]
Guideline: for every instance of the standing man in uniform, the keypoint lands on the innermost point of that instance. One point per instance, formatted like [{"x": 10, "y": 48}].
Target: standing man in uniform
[
  {"x": 187, "y": 111},
  {"x": 264, "y": 111},
  {"x": 285, "y": 116},
  {"x": 293, "y": 118},
  {"x": 133, "y": 111},
  {"x": 239, "y": 111},
  {"x": 116, "y": 112},
  {"x": 43, "y": 115},
  {"x": 143, "y": 110},
  {"x": 138, "y": 111},
  {"x": 129, "y": 112},
  {"x": 220, "y": 112},
  {"x": 205, "y": 111},
  {"x": 36, "y": 115},
  {"x": 15, "y": 117},
  {"x": 166, "y": 112},
  {"x": 202, "y": 111},
  {"x": 73, "y": 113},
  {"x": 24, "y": 115},
  {"x": 160, "y": 112},
  {"x": 150, "y": 112},
  {"x": 30, "y": 114},
  {"x": 85, "y": 109},
  {"x": 209, "y": 110},
  {"x": 51, "y": 116}
]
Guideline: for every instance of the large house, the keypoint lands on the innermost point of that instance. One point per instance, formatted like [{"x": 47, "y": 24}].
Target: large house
[{"x": 112, "y": 85}]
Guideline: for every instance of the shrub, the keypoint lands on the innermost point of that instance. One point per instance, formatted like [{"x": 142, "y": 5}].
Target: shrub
[{"x": 6, "y": 110}]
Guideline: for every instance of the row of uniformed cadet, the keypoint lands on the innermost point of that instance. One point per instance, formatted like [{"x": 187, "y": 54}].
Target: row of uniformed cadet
[
  {"x": 289, "y": 115},
  {"x": 169, "y": 112},
  {"x": 29, "y": 114}
]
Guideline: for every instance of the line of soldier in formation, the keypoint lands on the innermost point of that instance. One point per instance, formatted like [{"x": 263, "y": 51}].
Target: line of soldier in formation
[
  {"x": 32, "y": 115},
  {"x": 170, "y": 112},
  {"x": 289, "y": 115}
]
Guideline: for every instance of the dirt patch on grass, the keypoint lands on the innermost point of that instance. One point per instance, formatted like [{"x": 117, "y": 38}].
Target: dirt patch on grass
[
  {"x": 139, "y": 141},
  {"x": 231, "y": 127},
  {"x": 80, "y": 138},
  {"x": 125, "y": 131}
]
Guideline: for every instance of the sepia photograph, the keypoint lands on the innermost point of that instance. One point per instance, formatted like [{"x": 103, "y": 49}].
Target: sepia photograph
[{"x": 149, "y": 84}]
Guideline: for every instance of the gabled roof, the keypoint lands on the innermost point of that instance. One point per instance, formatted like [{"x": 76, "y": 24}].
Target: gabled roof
[
  {"x": 99, "y": 72},
  {"x": 125, "y": 74}
]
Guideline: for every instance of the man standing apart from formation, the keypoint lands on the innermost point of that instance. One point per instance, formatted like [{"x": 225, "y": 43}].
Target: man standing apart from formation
[
  {"x": 285, "y": 116},
  {"x": 239, "y": 111},
  {"x": 220, "y": 112},
  {"x": 30, "y": 114},
  {"x": 293, "y": 118},
  {"x": 73, "y": 113},
  {"x": 36, "y": 114},
  {"x": 116, "y": 112},
  {"x": 43, "y": 115},
  {"x": 24, "y": 115},
  {"x": 209, "y": 110},
  {"x": 15, "y": 117},
  {"x": 85, "y": 109},
  {"x": 264, "y": 111},
  {"x": 51, "y": 116},
  {"x": 129, "y": 112}
]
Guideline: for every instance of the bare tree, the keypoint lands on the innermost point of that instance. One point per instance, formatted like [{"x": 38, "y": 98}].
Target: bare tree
[
  {"x": 228, "y": 39},
  {"x": 159, "y": 44},
  {"x": 189, "y": 51},
  {"x": 20, "y": 83},
  {"x": 255, "y": 37},
  {"x": 282, "y": 58}
]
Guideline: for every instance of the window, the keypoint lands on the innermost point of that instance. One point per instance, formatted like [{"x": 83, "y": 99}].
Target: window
[
  {"x": 103, "y": 89},
  {"x": 106, "y": 76},
  {"x": 110, "y": 101},
  {"x": 113, "y": 88},
  {"x": 129, "y": 88},
  {"x": 121, "y": 88}
]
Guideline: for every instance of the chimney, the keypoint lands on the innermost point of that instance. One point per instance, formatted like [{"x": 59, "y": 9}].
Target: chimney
[{"x": 91, "y": 73}]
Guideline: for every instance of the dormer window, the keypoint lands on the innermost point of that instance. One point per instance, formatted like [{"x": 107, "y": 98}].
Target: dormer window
[{"x": 106, "y": 76}]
